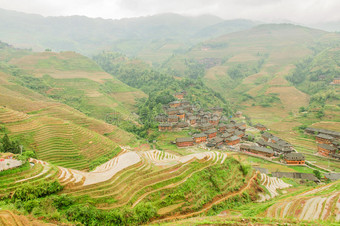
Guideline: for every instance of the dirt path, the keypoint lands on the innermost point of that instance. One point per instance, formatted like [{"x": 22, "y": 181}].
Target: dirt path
[{"x": 209, "y": 205}]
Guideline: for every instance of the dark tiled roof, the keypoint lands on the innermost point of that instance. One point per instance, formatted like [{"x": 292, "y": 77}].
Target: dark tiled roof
[
  {"x": 294, "y": 156},
  {"x": 199, "y": 135},
  {"x": 261, "y": 142},
  {"x": 262, "y": 149},
  {"x": 268, "y": 135},
  {"x": 165, "y": 125},
  {"x": 172, "y": 117},
  {"x": 332, "y": 176},
  {"x": 324, "y": 136},
  {"x": 327, "y": 147},
  {"x": 225, "y": 135},
  {"x": 238, "y": 132},
  {"x": 210, "y": 131},
  {"x": 324, "y": 131},
  {"x": 233, "y": 138},
  {"x": 184, "y": 139}
]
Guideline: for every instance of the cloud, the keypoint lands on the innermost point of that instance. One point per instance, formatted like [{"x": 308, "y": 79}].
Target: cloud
[{"x": 301, "y": 11}]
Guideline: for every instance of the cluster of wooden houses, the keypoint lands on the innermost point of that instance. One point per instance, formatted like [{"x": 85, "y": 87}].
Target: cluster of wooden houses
[
  {"x": 181, "y": 114},
  {"x": 215, "y": 129},
  {"x": 270, "y": 146},
  {"x": 327, "y": 141},
  {"x": 215, "y": 136}
]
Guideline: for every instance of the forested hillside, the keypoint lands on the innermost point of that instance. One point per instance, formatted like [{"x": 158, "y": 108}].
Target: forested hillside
[{"x": 159, "y": 86}]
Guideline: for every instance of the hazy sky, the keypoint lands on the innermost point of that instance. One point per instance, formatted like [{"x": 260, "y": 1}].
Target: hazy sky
[{"x": 300, "y": 11}]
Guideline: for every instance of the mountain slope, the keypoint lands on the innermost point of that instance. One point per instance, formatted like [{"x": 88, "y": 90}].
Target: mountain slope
[
  {"x": 251, "y": 61},
  {"x": 152, "y": 38},
  {"x": 39, "y": 109}
]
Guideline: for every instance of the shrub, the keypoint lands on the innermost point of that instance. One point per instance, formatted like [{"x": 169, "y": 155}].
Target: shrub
[
  {"x": 31, "y": 192},
  {"x": 245, "y": 169}
]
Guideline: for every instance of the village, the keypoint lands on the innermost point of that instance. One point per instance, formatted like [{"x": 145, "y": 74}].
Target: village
[{"x": 230, "y": 133}]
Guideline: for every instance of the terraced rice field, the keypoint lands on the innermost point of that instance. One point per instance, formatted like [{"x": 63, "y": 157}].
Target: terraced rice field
[
  {"x": 272, "y": 184},
  {"x": 10, "y": 219},
  {"x": 41, "y": 171},
  {"x": 58, "y": 141},
  {"x": 322, "y": 203},
  {"x": 132, "y": 176}
]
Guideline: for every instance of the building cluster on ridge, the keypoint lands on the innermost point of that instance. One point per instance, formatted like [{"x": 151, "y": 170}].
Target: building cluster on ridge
[
  {"x": 273, "y": 146},
  {"x": 217, "y": 131},
  {"x": 328, "y": 141}
]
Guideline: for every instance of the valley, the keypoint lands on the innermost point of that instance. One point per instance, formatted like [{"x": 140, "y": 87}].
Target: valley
[{"x": 168, "y": 120}]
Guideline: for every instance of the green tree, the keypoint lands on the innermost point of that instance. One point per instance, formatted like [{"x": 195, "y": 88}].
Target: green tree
[
  {"x": 317, "y": 174},
  {"x": 6, "y": 144}
]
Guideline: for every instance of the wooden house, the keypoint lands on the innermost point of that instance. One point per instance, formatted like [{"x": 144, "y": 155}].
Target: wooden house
[
  {"x": 200, "y": 137},
  {"x": 182, "y": 125},
  {"x": 335, "y": 156},
  {"x": 185, "y": 103},
  {"x": 232, "y": 140},
  {"x": 205, "y": 127},
  {"x": 175, "y": 104},
  {"x": 164, "y": 127},
  {"x": 173, "y": 118},
  {"x": 226, "y": 135},
  {"x": 241, "y": 126},
  {"x": 211, "y": 133},
  {"x": 326, "y": 150},
  {"x": 324, "y": 139},
  {"x": 222, "y": 127},
  {"x": 231, "y": 131},
  {"x": 332, "y": 176},
  {"x": 214, "y": 120},
  {"x": 172, "y": 111},
  {"x": 276, "y": 148},
  {"x": 315, "y": 131},
  {"x": 260, "y": 127},
  {"x": 336, "y": 81},
  {"x": 184, "y": 142},
  {"x": 267, "y": 136},
  {"x": 192, "y": 120},
  {"x": 161, "y": 118},
  {"x": 257, "y": 150},
  {"x": 312, "y": 131},
  {"x": 181, "y": 114},
  {"x": 215, "y": 142},
  {"x": 239, "y": 133},
  {"x": 294, "y": 159}
]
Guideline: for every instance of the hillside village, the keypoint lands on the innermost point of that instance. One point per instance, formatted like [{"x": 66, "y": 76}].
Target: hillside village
[
  {"x": 172, "y": 120},
  {"x": 216, "y": 130}
]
